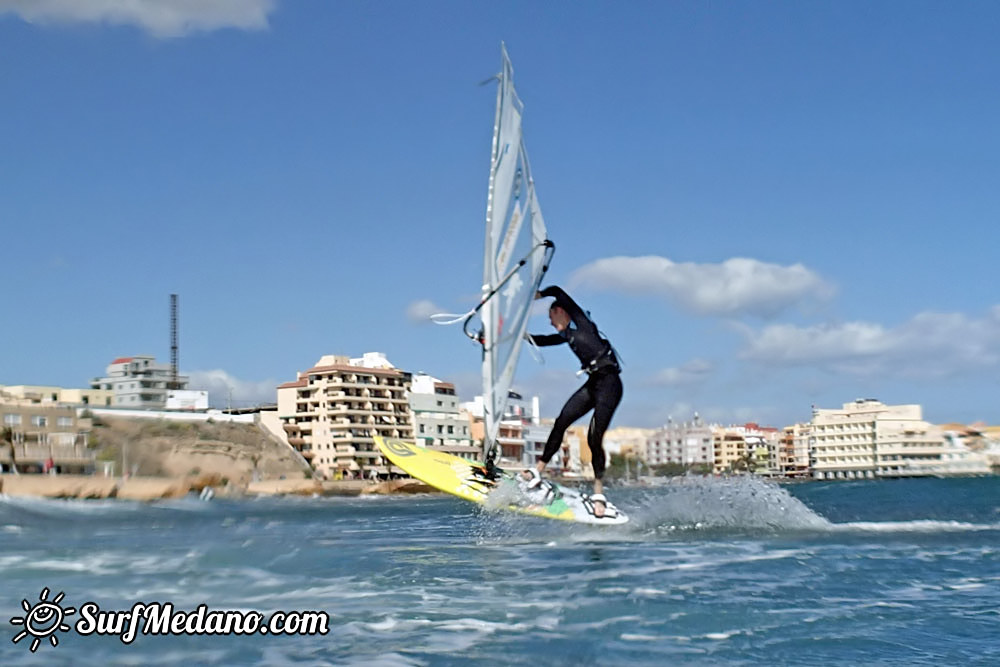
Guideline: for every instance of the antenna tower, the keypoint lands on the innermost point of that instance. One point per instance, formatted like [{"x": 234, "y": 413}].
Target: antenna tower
[{"x": 173, "y": 342}]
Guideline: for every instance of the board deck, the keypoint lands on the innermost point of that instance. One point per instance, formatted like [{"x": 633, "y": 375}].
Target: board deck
[{"x": 469, "y": 480}]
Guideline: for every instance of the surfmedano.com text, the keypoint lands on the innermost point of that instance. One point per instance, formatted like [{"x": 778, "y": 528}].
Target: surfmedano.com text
[{"x": 162, "y": 619}]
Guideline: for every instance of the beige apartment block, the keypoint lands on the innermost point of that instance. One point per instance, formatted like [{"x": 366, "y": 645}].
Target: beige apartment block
[
  {"x": 332, "y": 410},
  {"x": 868, "y": 439},
  {"x": 628, "y": 441},
  {"x": 44, "y": 433},
  {"x": 728, "y": 449},
  {"x": 576, "y": 452},
  {"x": 746, "y": 448},
  {"x": 50, "y": 394}
]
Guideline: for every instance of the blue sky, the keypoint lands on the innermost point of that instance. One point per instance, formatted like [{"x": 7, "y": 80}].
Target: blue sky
[{"x": 766, "y": 206}]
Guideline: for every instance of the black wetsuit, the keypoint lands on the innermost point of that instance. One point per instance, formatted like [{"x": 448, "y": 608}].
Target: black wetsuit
[{"x": 603, "y": 390}]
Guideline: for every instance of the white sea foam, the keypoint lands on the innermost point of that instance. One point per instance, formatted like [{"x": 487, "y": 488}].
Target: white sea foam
[
  {"x": 66, "y": 506},
  {"x": 919, "y": 526},
  {"x": 383, "y": 660}
]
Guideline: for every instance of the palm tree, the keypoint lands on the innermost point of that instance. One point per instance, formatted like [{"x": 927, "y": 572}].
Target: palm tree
[{"x": 745, "y": 463}]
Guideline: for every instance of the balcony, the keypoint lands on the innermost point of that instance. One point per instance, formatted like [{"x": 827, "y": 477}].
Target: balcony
[{"x": 362, "y": 454}]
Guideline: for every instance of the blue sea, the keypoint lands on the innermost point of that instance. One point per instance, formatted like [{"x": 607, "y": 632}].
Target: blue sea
[{"x": 710, "y": 571}]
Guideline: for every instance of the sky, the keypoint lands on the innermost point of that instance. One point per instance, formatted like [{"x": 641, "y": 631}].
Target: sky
[{"x": 765, "y": 206}]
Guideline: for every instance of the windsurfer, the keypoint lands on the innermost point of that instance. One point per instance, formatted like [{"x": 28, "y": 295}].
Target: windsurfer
[{"x": 601, "y": 393}]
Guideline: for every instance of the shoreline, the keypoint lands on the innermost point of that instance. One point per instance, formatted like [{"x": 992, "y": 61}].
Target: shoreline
[{"x": 92, "y": 487}]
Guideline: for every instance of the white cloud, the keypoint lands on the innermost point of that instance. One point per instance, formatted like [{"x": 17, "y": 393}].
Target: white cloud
[
  {"x": 928, "y": 345},
  {"x": 692, "y": 372},
  {"x": 162, "y": 18},
  {"x": 244, "y": 392},
  {"x": 737, "y": 286},
  {"x": 420, "y": 312}
]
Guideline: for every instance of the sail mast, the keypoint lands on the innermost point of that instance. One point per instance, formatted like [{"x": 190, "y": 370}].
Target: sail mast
[
  {"x": 516, "y": 254},
  {"x": 491, "y": 425}
]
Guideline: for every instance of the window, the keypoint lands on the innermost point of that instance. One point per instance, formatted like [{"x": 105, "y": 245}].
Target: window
[
  {"x": 38, "y": 420},
  {"x": 12, "y": 420},
  {"x": 451, "y": 430},
  {"x": 64, "y": 421}
]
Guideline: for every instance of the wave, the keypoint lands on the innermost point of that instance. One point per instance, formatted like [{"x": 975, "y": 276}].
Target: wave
[
  {"x": 747, "y": 504},
  {"x": 914, "y": 526},
  {"x": 64, "y": 506}
]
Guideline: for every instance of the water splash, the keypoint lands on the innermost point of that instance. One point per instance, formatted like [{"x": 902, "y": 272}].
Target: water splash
[{"x": 733, "y": 503}]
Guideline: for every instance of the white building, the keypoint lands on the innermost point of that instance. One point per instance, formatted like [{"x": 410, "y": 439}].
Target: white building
[
  {"x": 684, "y": 443},
  {"x": 438, "y": 421},
  {"x": 139, "y": 382},
  {"x": 522, "y": 435},
  {"x": 187, "y": 399},
  {"x": 959, "y": 459}
]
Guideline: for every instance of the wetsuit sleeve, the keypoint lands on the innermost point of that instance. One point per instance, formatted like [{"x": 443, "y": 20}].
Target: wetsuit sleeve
[
  {"x": 547, "y": 339},
  {"x": 567, "y": 303}
]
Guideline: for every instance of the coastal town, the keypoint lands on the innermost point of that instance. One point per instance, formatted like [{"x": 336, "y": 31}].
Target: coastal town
[{"x": 322, "y": 422}]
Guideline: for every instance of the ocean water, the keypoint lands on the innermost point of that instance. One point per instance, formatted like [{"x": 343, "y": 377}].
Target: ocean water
[{"x": 709, "y": 571}]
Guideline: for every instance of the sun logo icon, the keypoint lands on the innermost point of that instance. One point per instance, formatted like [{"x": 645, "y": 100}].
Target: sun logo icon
[{"x": 43, "y": 619}]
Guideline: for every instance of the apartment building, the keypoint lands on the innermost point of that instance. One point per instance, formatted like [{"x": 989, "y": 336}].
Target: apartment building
[
  {"x": 685, "y": 443},
  {"x": 141, "y": 383},
  {"x": 521, "y": 435},
  {"x": 332, "y": 410},
  {"x": 867, "y": 438},
  {"x": 33, "y": 393},
  {"x": 576, "y": 453},
  {"x": 536, "y": 434},
  {"x": 793, "y": 450},
  {"x": 628, "y": 441},
  {"x": 729, "y": 450},
  {"x": 42, "y": 433},
  {"x": 747, "y": 447},
  {"x": 438, "y": 420}
]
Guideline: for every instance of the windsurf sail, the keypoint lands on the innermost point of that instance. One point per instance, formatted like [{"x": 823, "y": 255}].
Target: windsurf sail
[{"x": 517, "y": 254}]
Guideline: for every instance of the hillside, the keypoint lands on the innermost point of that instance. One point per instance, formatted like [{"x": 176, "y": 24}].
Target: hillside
[{"x": 232, "y": 452}]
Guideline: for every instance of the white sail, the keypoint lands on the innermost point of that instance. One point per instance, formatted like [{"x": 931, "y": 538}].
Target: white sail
[{"x": 517, "y": 253}]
